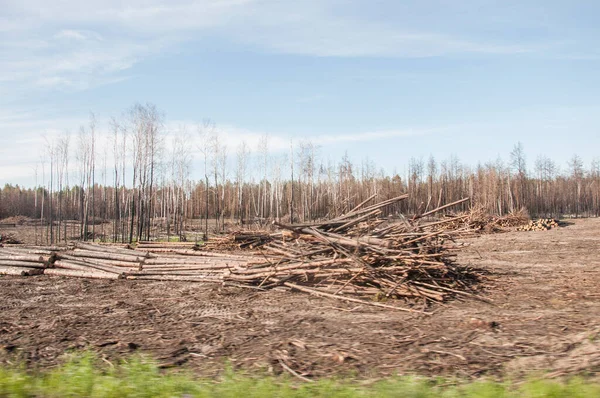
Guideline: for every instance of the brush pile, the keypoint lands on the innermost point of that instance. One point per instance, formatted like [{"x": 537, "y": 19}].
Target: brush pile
[
  {"x": 542, "y": 224},
  {"x": 358, "y": 254}
]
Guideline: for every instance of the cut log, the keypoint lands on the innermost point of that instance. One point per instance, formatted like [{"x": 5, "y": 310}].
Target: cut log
[
  {"x": 110, "y": 249},
  {"x": 23, "y": 257},
  {"x": 177, "y": 278},
  {"x": 86, "y": 266},
  {"x": 112, "y": 263},
  {"x": 17, "y": 263},
  {"x": 19, "y": 271},
  {"x": 94, "y": 274},
  {"x": 106, "y": 256}
]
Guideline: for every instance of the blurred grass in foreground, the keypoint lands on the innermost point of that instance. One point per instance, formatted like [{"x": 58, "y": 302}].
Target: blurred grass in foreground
[{"x": 84, "y": 375}]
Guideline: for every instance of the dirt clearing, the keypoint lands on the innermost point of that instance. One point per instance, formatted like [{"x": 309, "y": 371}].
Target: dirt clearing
[{"x": 545, "y": 316}]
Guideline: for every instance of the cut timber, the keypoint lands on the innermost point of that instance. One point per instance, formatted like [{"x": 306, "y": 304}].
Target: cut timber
[
  {"x": 194, "y": 260},
  {"x": 16, "y": 263},
  {"x": 110, "y": 249},
  {"x": 164, "y": 245},
  {"x": 19, "y": 271},
  {"x": 94, "y": 260},
  {"x": 85, "y": 266},
  {"x": 23, "y": 257},
  {"x": 20, "y": 251},
  {"x": 106, "y": 255},
  {"x": 94, "y": 274},
  {"x": 177, "y": 278}
]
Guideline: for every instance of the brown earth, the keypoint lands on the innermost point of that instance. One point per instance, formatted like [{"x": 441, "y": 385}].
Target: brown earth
[{"x": 545, "y": 317}]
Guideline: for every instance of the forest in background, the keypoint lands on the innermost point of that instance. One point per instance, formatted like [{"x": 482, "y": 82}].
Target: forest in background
[{"x": 140, "y": 176}]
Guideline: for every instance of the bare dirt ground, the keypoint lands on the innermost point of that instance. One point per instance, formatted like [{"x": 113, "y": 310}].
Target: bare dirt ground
[{"x": 545, "y": 317}]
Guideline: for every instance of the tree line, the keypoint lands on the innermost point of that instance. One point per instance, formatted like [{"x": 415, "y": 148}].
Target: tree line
[{"x": 139, "y": 180}]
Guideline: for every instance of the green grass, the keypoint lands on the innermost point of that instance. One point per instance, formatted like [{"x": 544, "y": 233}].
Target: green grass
[{"x": 84, "y": 375}]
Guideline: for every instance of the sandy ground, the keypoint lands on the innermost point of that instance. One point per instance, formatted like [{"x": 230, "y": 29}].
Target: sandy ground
[{"x": 544, "y": 317}]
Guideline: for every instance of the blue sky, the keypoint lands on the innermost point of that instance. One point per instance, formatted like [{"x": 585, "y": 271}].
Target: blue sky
[{"x": 387, "y": 80}]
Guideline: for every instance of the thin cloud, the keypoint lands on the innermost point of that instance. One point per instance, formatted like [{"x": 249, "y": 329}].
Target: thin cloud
[
  {"x": 328, "y": 139},
  {"x": 42, "y": 50}
]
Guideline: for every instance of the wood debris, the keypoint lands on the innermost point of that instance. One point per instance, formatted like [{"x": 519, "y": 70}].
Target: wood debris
[
  {"x": 542, "y": 224},
  {"x": 357, "y": 257}
]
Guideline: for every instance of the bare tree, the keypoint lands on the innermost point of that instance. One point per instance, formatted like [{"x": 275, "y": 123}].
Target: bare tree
[{"x": 206, "y": 131}]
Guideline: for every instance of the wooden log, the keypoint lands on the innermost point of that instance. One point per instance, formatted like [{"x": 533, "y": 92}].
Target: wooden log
[
  {"x": 111, "y": 263},
  {"x": 87, "y": 266},
  {"x": 351, "y": 223},
  {"x": 106, "y": 256},
  {"x": 193, "y": 260},
  {"x": 94, "y": 274},
  {"x": 364, "y": 202},
  {"x": 441, "y": 208},
  {"x": 338, "y": 239},
  {"x": 167, "y": 267},
  {"x": 164, "y": 245},
  {"x": 17, "y": 263},
  {"x": 357, "y": 242},
  {"x": 23, "y": 257},
  {"x": 374, "y": 207},
  {"x": 19, "y": 271},
  {"x": 176, "y": 278},
  {"x": 20, "y": 251},
  {"x": 112, "y": 249},
  {"x": 32, "y": 247},
  {"x": 239, "y": 277},
  {"x": 198, "y": 274}
]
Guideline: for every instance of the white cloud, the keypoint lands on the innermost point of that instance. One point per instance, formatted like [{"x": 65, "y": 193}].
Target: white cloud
[{"x": 76, "y": 45}]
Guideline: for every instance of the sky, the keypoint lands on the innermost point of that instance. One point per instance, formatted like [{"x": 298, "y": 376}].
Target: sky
[{"x": 385, "y": 80}]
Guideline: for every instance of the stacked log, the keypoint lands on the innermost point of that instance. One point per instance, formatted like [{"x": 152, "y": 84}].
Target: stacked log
[
  {"x": 165, "y": 247},
  {"x": 25, "y": 261},
  {"x": 477, "y": 221},
  {"x": 542, "y": 224},
  {"x": 353, "y": 257}
]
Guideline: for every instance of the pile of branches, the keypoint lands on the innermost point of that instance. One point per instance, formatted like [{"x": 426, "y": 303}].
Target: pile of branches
[{"x": 361, "y": 254}]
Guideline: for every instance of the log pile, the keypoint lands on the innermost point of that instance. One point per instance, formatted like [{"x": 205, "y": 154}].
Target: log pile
[
  {"x": 478, "y": 221},
  {"x": 542, "y": 224},
  {"x": 25, "y": 261},
  {"x": 357, "y": 257}
]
